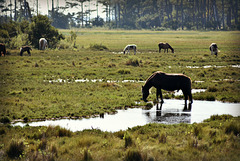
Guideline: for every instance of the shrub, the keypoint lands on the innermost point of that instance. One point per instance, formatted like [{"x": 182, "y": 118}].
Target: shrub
[
  {"x": 19, "y": 41},
  {"x": 41, "y": 27},
  {"x": 15, "y": 149}
]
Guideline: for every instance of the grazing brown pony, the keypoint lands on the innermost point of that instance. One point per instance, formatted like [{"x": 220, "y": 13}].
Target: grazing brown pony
[
  {"x": 169, "y": 82},
  {"x": 2, "y": 49},
  {"x": 164, "y": 46},
  {"x": 25, "y": 48}
]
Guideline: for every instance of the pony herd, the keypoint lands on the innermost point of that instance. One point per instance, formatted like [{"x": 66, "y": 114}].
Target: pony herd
[
  {"x": 213, "y": 48},
  {"x": 42, "y": 46},
  {"x": 159, "y": 80}
]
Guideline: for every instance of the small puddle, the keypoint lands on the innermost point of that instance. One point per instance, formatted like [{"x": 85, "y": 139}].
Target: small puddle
[
  {"x": 171, "y": 112},
  {"x": 92, "y": 80}
]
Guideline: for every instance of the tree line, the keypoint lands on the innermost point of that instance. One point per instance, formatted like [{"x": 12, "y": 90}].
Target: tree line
[{"x": 138, "y": 14}]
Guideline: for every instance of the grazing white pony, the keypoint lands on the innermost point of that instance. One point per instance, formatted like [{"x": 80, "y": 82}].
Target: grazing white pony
[
  {"x": 214, "y": 49},
  {"x": 130, "y": 47},
  {"x": 43, "y": 44}
]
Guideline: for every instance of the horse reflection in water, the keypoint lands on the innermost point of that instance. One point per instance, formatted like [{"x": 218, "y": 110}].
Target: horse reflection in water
[{"x": 171, "y": 116}]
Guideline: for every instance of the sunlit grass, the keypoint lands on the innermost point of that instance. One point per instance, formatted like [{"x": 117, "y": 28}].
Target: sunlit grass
[{"x": 27, "y": 93}]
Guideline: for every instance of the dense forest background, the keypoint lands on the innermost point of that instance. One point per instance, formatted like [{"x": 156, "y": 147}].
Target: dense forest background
[{"x": 132, "y": 14}]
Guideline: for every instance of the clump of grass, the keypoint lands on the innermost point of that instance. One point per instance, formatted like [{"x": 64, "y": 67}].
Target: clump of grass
[
  {"x": 15, "y": 149},
  {"x": 58, "y": 131},
  {"x": 5, "y": 120},
  {"x": 128, "y": 140},
  {"x": 42, "y": 145},
  {"x": 219, "y": 117},
  {"x": 233, "y": 127},
  {"x": 210, "y": 98},
  {"x": 193, "y": 142},
  {"x": 133, "y": 154},
  {"x": 148, "y": 106},
  {"x": 163, "y": 138},
  {"x": 112, "y": 84},
  {"x": 212, "y": 89},
  {"x": 64, "y": 132},
  {"x": 99, "y": 47},
  {"x": 87, "y": 155},
  {"x": 123, "y": 71},
  {"x": 134, "y": 62},
  {"x": 197, "y": 131},
  {"x": 119, "y": 134}
]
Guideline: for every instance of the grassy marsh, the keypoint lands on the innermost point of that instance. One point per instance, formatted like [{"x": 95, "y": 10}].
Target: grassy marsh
[
  {"x": 26, "y": 94},
  {"x": 215, "y": 139}
]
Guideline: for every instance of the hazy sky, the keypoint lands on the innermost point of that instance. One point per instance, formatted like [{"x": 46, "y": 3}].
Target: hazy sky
[{"x": 44, "y": 5}]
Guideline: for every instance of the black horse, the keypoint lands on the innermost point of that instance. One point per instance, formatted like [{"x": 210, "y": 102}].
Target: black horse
[
  {"x": 165, "y": 46},
  {"x": 2, "y": 49},
  {"x": 169, "y": 82}
]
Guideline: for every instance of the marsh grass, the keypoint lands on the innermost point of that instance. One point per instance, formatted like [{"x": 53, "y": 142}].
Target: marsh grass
[
  {"x": 15, "y": 149},
  {"x": 26, "y": 91},
  {"x": 150, "y": 142}
]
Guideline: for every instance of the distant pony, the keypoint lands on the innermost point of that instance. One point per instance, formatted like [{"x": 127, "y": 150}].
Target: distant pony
[
  {"x": 214, "y": 49},
  {"x": 164, "y": 46},
  {"x": 169, "y": 82},
  {"x": 2, "y": 49},
  {"x": 42, "y": 44},
  {"x": 130, "y": 47},
  {"x": 25, "y": 48}
]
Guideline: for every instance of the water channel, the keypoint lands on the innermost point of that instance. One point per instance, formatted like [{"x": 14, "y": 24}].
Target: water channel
[{"x": 170, "y": 112}]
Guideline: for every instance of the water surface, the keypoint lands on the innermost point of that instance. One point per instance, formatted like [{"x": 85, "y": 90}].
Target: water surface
[{"x": 170, "y": 112}]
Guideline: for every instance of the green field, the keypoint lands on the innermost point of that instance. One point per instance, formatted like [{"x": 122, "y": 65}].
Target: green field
[{"x": 27, "y": 92}]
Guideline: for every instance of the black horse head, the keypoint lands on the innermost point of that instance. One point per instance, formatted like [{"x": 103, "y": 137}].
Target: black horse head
[{"x": 145, "y": 93}]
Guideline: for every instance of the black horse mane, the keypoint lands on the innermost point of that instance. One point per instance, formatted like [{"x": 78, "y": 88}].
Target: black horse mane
[
  {"x": 170, "y": 47},
  {"x": 149, "y": 78}
]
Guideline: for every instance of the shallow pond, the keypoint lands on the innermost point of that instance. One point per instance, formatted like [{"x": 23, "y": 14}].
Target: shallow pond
[{"x": 170, "y": 112}]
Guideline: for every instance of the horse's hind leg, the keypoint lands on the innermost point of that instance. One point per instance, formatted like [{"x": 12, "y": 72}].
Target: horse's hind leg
[
  {"x": 185, "y": 96},
  {"x": 159, "y": 92},
  {"x": 190, "y": 98}
]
